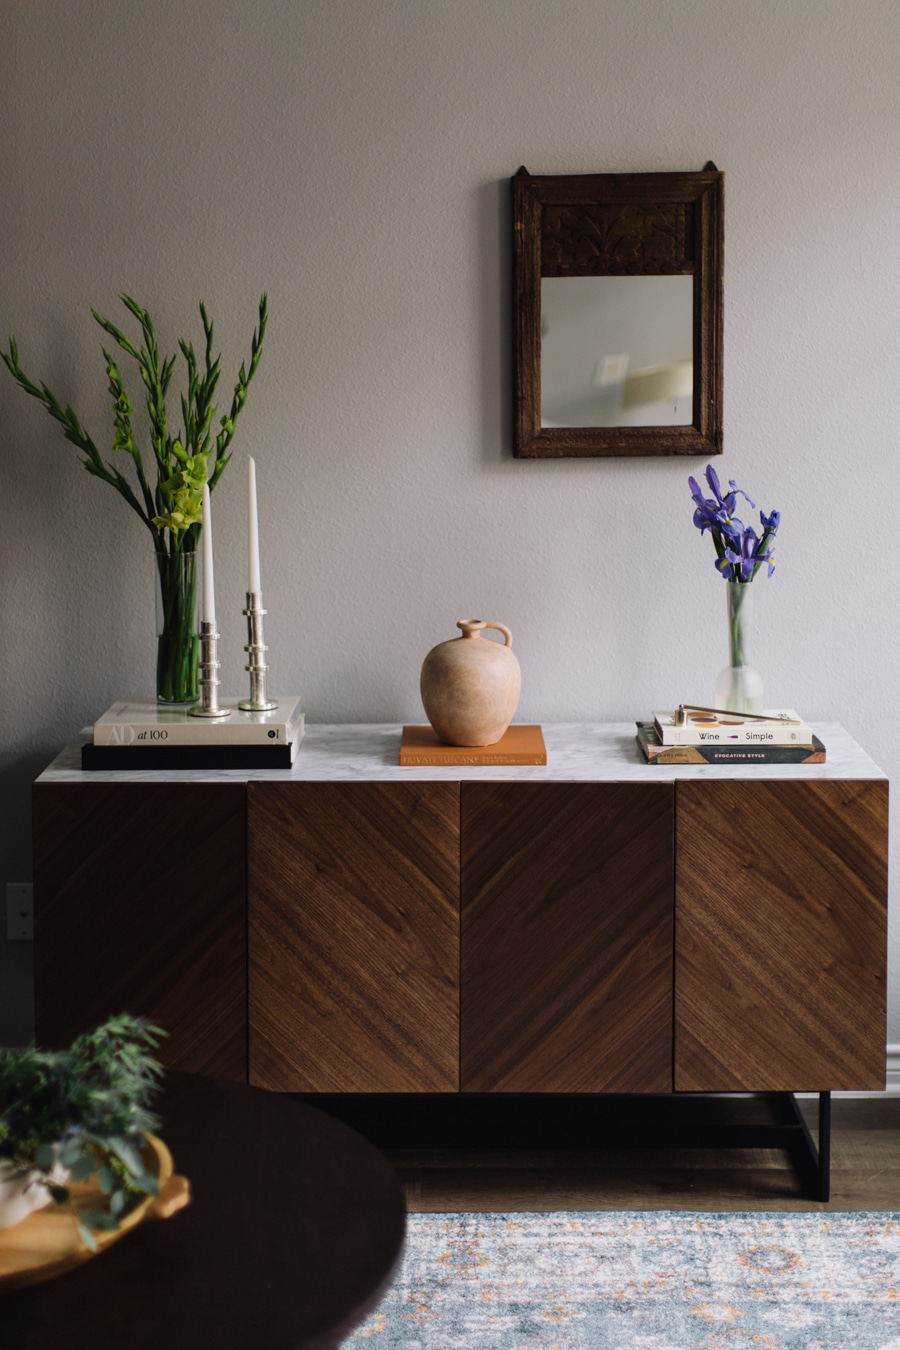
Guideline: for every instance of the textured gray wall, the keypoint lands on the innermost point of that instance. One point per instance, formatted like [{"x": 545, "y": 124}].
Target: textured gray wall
[{"x": 352, "y": 159}]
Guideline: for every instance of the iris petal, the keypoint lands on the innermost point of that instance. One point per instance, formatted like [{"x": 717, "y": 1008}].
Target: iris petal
[
  {"x": 735, "y": 489},
  {"x": 713, "y": 479}
]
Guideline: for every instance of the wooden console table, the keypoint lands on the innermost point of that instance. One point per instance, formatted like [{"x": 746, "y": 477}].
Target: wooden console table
[{"x": 595, "y": 925}]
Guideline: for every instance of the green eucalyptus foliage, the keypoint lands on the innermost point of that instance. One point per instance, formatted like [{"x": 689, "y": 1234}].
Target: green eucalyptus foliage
[
  {"x": 86, "y": 1108},
  {"x": 183, "y": 456}
]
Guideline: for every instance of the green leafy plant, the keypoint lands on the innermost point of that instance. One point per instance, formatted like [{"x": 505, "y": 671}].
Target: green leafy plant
[
  {"x": 84, "y": 1109},
  {"x": 182, "y": 458},
  {"x": 171, "y": 507}
]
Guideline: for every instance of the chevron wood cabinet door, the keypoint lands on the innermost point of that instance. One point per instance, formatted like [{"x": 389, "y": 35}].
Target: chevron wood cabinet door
[
  {"x": 781, "y": 923},
  {"x": 567, "y": 937},
  {"x": 139, "y": 898},
  {"x": 353, "y": 933}
]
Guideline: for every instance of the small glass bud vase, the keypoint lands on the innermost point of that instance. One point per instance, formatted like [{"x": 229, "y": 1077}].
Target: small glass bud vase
[
  {"x": 739, "y": 686},
  {"x": 177, "y": 640}
]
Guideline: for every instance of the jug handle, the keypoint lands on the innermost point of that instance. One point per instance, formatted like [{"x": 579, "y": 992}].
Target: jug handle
[{"x": 471, "y": 628}]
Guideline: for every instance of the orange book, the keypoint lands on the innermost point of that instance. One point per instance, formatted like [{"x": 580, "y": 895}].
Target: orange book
[{"x": 520, "y": 745}]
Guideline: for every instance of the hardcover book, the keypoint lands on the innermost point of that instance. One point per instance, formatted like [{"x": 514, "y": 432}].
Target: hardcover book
[
  {"x": 143, "y": 723},
  {"x": 775, "y": 727},
  {"x": 653, "y": 751},
  {"x": 520, "y": 745},
  {"x": 272, "y": 754}
]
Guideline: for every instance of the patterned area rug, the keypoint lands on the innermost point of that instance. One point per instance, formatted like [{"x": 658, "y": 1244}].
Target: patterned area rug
[{"x": 644, "y": 1281}]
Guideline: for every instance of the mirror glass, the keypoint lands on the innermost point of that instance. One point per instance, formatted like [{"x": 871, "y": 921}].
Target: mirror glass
[{"x": 617, "y": 351}]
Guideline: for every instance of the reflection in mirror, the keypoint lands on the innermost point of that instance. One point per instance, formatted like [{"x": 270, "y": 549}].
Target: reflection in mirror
[{"x": 617, "y": 351}]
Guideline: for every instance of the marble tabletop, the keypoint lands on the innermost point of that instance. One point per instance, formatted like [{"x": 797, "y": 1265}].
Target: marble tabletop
[{"x": 576, "y": 751}]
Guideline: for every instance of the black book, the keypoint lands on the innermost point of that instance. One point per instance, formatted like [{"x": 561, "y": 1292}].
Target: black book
[{"x": 168, "y": 757}]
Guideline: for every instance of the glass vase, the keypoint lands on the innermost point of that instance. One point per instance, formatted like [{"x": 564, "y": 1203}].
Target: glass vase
[
  {"x": 739, "y": 686},
  {"x": 177, "y": 639}
]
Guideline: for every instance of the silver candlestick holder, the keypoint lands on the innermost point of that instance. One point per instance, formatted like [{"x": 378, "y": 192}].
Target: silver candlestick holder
[
  {"x": 209, "y": 703},
  {"x": 256, "y": 649}
]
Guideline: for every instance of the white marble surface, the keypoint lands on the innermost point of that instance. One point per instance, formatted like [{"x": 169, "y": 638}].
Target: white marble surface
[{"x": 576, "y": 751}]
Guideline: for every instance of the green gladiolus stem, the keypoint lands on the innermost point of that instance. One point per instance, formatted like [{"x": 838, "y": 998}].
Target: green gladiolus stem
[{"x": 178, "y": 644}]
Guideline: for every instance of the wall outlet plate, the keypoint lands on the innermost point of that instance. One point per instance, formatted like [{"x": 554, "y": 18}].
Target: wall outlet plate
[{"x": 19, "y": 911}]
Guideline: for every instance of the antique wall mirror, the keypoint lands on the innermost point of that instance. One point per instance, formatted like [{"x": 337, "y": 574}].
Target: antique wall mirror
[{"x": 618, "y": 313}]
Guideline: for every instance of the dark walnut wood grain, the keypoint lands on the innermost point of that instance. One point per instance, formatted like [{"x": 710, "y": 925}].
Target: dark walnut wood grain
[
  {"x": 139, "y": 893},
  {"x": 781, "y": 919},
  {"x": 566, "y": 937},
  {"x": 354, "y": 936}
]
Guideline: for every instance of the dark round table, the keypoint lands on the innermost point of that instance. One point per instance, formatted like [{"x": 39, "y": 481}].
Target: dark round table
[{"x": 294, "y": 1232}]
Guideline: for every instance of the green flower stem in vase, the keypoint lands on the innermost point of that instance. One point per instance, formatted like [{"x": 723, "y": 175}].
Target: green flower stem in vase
[
  {"x": 739, "y": 686},
  {"x": 177, "y": 640}
]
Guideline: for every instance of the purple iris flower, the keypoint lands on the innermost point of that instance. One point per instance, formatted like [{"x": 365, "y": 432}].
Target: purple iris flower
[
  {"x": 764, "y": 552},
  {"x": 729, "y": 500},
  {"x": 705, "y": 512},
  {"x": 740, "y": 552},
  {"x": 745, "y": 561},
  {"x": 717, "y": 513}
]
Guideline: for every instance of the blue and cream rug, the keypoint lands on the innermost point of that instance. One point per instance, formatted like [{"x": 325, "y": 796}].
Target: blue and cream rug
[{"x": 666, "y": 1280}]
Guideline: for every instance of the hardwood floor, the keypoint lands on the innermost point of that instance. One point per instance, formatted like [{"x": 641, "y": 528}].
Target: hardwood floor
[{"x": 865, "y": 1172}]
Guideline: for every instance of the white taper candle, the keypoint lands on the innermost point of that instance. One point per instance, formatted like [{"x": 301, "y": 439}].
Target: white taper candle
[
  {"x": 209, "y": 589},
  {"x": 253, "y": 523}
]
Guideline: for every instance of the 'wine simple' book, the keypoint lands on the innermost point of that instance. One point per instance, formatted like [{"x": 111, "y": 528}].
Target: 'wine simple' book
[{"x": 702, "y": 727}]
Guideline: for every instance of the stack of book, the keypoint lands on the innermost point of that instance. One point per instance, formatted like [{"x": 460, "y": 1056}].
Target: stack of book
[
  {"x": 140, "y": 734},
  {"x": 778, "y": 736}
]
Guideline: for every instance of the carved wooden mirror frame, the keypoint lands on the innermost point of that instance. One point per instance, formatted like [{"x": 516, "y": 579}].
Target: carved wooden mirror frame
[{"x": 619, "y": 225}]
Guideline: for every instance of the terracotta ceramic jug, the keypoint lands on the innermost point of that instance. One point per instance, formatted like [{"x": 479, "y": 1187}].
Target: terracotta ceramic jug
[{"x": 470, "y": 685}]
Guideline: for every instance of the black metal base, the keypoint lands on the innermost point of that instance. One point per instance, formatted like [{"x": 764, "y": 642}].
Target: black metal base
[{"x": 534, "y": 1121}]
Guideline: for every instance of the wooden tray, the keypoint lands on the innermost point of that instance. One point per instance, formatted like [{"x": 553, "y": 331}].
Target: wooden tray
[{"x": 47, "y": 1243}]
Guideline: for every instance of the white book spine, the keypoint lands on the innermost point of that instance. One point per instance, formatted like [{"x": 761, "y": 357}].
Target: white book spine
[
  {"x": 124, "y": 726},
  {"x": 787, "y": 731},
  {"x": 716, "y": 736}
]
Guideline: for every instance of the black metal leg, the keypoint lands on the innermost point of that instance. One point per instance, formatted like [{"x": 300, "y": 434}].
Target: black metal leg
[
  {"x": 813, "y": 1164},
  {"x": 824, "y": 1145}
]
